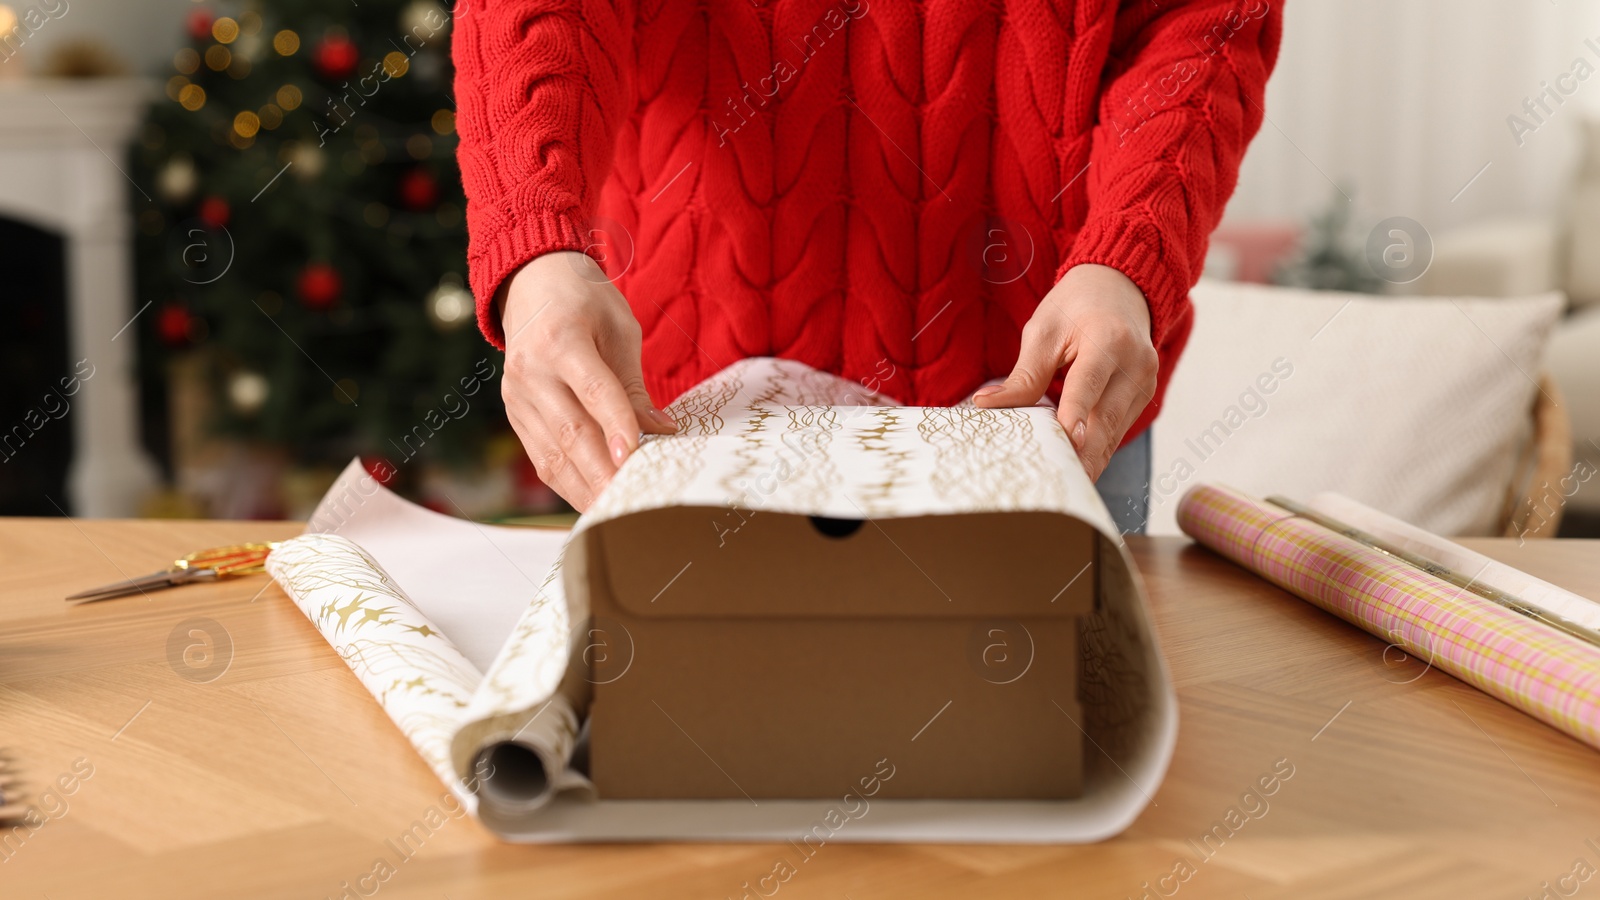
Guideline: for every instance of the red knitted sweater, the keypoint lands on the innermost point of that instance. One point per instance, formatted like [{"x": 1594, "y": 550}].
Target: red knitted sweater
[{"x": 879, "y": 188}]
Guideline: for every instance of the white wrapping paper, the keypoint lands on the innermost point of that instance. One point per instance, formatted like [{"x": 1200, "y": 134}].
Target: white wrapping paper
[{"x": 764, "y": 435}]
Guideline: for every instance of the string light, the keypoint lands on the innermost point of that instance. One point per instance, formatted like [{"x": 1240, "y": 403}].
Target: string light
[
  {"x": 271, "y": 116},
  {"x": 218, "y": 57},
  {"x": 248, "y": 391},
  {"x": 193, "y": 96},
  {"x": 449, "y": 305},
  {"x": 175, "y": 86},
  {"x": 289, "y": 97},
  {"x": 444, "y": 122},
  {"x": 225, "y": 30},
  {"x": 396, "y": 64},
  {"x": 286, "y": 42},
  {"x": 186, "y": 61},
  {"x": 246, "y": 124}
]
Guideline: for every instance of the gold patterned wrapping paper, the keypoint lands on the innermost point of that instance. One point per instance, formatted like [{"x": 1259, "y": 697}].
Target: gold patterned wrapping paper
[
  {"x": 429, "y": 688},
  {"x": 533, "y": 698},
  {"x": 416, "y": 674},
  {"x": 777, "y": 436}
]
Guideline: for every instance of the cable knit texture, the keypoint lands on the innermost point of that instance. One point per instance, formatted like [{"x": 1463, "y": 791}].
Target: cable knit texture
[{"x": 884, "y": 189}]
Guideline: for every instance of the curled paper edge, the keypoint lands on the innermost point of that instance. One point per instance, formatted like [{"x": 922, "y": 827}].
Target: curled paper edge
[{"x": 332, "y": 580}]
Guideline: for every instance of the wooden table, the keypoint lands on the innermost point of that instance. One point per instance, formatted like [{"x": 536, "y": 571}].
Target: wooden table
[{"x": 279, "y": 776}]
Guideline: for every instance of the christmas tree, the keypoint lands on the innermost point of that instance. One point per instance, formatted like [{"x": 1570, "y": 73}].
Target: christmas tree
[{"x": 304, "y": 234}]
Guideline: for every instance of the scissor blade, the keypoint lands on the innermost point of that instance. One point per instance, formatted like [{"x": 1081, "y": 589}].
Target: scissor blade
[{"x": 154, "y": 581}]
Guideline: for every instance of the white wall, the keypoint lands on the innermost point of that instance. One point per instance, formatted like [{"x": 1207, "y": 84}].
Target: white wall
[
  {"x": 1406, "y": 101},
  {"x": 143, "y": 33}
]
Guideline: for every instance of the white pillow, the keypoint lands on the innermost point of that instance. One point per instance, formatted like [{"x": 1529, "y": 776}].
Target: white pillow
[{"x": 1417, "y": 406}]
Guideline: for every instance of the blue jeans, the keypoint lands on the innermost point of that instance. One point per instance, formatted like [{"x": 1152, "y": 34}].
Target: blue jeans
[{"x": 1125, "y": 485}]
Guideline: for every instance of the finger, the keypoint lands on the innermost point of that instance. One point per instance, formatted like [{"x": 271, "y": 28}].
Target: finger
[
  {"x": 576, "y": 434},
  {"x": 1081, "y": 389},
  {"x": 555, "y": 468},
  {"x": 603, "y": 397},
  {"x": 1119, "y": 407},
  {"x": 651, "y": 419},
  {"x": 1044, "y": 351}
]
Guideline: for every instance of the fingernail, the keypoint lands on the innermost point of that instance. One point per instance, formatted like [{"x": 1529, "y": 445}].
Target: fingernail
[
  {"x": 663, "y": 419},
  {"x": 986, "y": 391},
  {"x": 1079, "y": 431},
  {"x": 619, "y": 449}
]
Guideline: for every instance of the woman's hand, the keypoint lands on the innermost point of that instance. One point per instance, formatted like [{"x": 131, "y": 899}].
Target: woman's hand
[
  {"x": 1095, "y": 323},
  {"x": 573, "y": 386}
]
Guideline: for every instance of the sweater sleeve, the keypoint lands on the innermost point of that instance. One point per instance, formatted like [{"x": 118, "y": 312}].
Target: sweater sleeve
[
  {"x": 542, "y": 87},
  {"x": 1180, "y": 99}
]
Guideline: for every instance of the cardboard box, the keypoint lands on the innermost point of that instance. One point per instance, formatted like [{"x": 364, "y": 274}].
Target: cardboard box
[{"x": 774, "y": 655}]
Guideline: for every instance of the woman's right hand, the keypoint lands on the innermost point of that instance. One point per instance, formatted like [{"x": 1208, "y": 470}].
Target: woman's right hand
[{"x": 573, "y": 386}]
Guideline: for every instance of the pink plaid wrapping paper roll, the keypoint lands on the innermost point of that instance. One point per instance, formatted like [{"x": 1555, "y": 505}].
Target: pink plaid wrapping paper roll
[{"x": 1547, "y": 674}]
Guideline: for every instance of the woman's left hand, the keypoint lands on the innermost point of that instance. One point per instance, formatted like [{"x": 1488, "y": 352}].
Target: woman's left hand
[{"x": 1095, "y": 323}]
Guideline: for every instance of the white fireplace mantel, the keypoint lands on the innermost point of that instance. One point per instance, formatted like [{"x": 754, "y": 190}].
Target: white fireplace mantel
[{"x": 62, "y": 150}]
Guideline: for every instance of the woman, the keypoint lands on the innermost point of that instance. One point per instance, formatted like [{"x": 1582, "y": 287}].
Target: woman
[{"x": 924, "y": 195}]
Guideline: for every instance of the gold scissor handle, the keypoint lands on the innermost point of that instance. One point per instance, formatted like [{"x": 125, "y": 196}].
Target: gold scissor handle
[
  {"x": 234, "y": 559},
  {"x": 202, "y": 565}
]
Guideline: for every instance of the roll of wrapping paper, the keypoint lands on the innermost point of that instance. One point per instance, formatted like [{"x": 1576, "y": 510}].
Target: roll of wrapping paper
[{"x": 1546, "y": 673}]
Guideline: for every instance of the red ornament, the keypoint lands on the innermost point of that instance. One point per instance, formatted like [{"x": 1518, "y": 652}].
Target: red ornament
[
  {"x": 173, "y": 323},
  {"x": 214, "y": 212},
  {"x": 419, "y": 192},
  {"x": 379, "y": 469},
  {"x": 199, "y": 23},
  {"x": 335, "y": 57},
  {"x": 319, "y": 286}
]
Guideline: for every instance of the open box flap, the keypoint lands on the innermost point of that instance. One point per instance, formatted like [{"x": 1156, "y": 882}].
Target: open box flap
[
  {"x": 771, "y": 436},
  {"x": 703, "y": 562}
]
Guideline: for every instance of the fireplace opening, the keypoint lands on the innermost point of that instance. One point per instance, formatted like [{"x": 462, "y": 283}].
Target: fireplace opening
[{"x": 36, "y": 387}]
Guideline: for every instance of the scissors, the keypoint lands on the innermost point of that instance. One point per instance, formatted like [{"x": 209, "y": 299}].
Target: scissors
[{"x": 202, "y": 565}]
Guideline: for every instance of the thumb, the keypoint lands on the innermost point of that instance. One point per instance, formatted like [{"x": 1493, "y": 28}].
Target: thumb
[
  {"x": 651, "y": 420},
  {"x": 1038, "y": 361}
]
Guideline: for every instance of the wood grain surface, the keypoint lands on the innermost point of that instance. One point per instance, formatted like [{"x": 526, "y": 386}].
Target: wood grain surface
[{"x": 232, "y": 754}]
